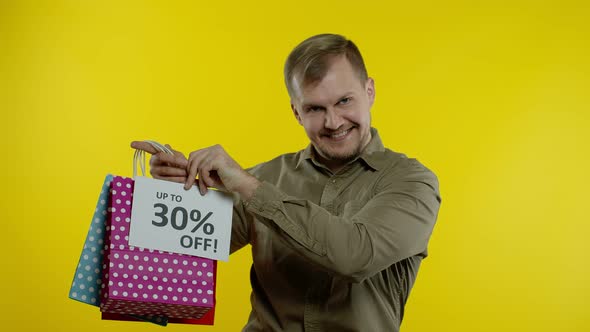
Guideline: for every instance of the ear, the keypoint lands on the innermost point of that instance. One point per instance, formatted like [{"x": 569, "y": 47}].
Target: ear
[
  {"x": 294, "y": 109},
  {"x": 370, "y": 88}
]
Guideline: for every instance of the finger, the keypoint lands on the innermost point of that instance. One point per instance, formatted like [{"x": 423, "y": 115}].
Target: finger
[
  {"x": 201, "y": 183},
  {"x": 191, "y": 174},
  {"x": 192, "y": 167},
  {"x": 164, "y": 171},
  {"x": 175, "y": 152},
  {"x": 208, "y": 174},
  {"x": 204, "y": 178},
  {"x": 198, "y": 184},
  {"x": 170, "y": 148},
  {"x": 145, "y": 146},
  {"x": 176, "y": 160}
]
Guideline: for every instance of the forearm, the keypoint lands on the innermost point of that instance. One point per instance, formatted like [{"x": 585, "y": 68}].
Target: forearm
[
  {"x": 391, "y": 227},
  {"x": 247, "y": 186}
]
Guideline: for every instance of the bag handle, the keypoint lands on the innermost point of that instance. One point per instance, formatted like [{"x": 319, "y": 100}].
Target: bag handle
[{"x": 139, "y": 156}]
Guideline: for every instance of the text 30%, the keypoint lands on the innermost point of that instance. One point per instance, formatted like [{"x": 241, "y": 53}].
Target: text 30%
[{"x": 181, "y": 223}]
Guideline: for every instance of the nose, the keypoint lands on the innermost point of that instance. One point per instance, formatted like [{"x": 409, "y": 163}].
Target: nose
[{"x": 333, "y": 120}]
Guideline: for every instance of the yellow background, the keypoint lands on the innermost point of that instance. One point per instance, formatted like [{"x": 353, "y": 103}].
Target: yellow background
[{"x": 493, "y": 96}]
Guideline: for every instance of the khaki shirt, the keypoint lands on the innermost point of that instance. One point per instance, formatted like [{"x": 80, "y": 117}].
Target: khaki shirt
[{"x": 335, "y": 252}]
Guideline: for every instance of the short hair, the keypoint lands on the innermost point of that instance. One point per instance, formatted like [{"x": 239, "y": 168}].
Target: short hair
[{"x": 309, "y": 61}]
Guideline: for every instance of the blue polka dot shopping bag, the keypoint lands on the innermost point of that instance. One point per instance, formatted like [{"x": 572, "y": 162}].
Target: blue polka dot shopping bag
[{"x": 88, "y": 277}]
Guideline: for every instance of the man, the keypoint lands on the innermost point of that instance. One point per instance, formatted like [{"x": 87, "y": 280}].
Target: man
[{"x": 338, "y": 230}]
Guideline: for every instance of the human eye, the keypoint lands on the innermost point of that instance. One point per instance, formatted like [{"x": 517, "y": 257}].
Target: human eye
[
  {"x": 344, "y": 100},
  {"x": 314, "y": 109}
]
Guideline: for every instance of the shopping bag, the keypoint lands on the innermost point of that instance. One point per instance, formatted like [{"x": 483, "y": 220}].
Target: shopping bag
[
  {"x": 149, "y": 282},
  {"x": 103, "y": 248},
  {"x": 88, "y": 276}
]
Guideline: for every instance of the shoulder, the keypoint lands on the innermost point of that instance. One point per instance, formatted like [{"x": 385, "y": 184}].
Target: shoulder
[{"x": 399, "y": 168}]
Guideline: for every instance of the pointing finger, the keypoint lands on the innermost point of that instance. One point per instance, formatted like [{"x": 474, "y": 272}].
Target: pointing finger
[{"x": 145, "y": 146}]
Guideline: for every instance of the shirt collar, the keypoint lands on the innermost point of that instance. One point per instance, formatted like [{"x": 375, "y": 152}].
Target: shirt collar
[{"x": 370, "y": 154}]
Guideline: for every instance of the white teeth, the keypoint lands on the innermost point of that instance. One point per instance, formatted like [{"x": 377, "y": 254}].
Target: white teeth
[{"x": 340, "y": 134}]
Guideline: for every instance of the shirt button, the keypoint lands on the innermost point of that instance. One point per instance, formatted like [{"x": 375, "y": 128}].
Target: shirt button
[{"x": 334, "y": 181}]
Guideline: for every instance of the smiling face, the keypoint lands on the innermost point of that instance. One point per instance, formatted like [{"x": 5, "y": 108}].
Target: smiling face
[{"x": 335, "y": 112}]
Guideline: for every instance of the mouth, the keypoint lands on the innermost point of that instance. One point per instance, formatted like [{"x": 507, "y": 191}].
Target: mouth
[{"x": 338, "y": 135}]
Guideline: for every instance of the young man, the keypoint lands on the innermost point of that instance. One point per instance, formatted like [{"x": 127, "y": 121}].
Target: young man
[{"x": 338, "y": 230}]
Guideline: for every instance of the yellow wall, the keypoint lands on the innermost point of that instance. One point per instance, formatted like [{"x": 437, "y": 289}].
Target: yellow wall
[{"x": 492, "y": 95}]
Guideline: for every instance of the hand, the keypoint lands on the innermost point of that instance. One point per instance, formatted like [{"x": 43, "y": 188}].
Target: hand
[
  {"x": 215, "y": 168},
  {"x": 165, "y": 166}
]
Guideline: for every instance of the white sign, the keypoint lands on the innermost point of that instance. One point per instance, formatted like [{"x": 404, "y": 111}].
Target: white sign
[{"x": 166, "y": 217}]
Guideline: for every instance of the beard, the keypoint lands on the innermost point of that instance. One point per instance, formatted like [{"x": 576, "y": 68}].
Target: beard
[
  {"x": 337, "y": 154},
  {"x": 339, "y": 157}
]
